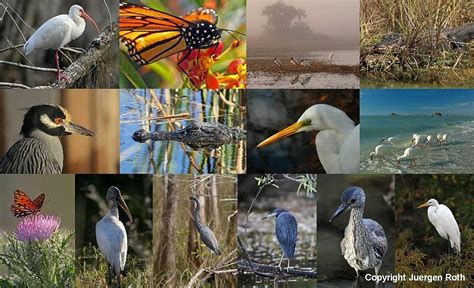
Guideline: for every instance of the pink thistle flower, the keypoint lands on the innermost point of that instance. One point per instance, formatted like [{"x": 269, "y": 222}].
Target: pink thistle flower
[{"x": 37, "y": 228}]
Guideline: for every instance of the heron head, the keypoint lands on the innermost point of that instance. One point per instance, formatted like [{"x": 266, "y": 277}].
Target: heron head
[
  {"x": 431, "y": 202},
  {"x": 275, "y": 213},
  {"x": 114, "y": 197},
  {"x": 353, "y": 197},
  {"x": 51, "y": 119}
]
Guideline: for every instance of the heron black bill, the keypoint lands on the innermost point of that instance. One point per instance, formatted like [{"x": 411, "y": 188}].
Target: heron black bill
[
  {"x": 339, "y": 211},
  {"x": 72, "y": 127},
  {"x": 269, "y": 216},
  {"x": 288, "y": 131}
]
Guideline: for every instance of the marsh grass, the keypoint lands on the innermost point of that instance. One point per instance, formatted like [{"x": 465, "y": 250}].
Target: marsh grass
[
  {"x": 91, "y": 270},
  {"x": 419, "y": 58},
  {"x": 48, "y": 263}
]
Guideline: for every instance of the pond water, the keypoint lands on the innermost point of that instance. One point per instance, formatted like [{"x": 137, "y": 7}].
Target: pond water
[{"x": 138, "y": 109}]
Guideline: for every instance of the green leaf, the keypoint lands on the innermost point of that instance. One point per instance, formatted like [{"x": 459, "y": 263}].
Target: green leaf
[{"x": 129, "y": 72}]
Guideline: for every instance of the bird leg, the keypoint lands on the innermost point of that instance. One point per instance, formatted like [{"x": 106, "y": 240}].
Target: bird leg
[
  {"x": 60, "y": 75},
  {"x": 288, "y": 267},
  {"x": 109, "y": 275},
  {"x": 279, "y": 265}
]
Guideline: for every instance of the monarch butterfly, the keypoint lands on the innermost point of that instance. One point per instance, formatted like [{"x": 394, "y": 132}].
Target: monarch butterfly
[
  {"x": 23, "y": 205},
  {"x": 151, "y": 35}
]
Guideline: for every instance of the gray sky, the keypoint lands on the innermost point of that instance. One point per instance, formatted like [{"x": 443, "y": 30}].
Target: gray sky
[{"x": 335, "y": 18}]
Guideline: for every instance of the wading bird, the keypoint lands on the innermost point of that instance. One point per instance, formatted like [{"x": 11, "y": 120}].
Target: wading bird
[
  {"x": 59, "y": 31},
  {"x": 337, "y": 142},
  {"x": 331, "y": 55},
  {"x": 444, "y": 139},
  {"x": 428, "y": 140},
  {"x": 293, "y": 61},
  {"x": 364, "y": 244},
  {"x": 409, "y": 154},
  {"x": 443, "y": 220},
  {"x": 277, "y": 61},
  {"x": 380, "y": 151},
  {"x": 205, "y": 233},
  {"x": 286, "y": 230},
  {"x": 39, "y": 151},
  {"x": 304, "y": 64},
  {"x": 112, "y": 236},
  {"x": 418, "y": 140},
  {"x": 394, "y": 141}
]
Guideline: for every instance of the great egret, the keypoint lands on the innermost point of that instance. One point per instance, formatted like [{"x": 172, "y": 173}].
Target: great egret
[
  {"x": 337, "y": 142},
  {"x": 380, "y": 151},
  {"x": 111, "y": 234},
  {"x": 443, "y": 220},
  {"x": 409, "y": 154}
]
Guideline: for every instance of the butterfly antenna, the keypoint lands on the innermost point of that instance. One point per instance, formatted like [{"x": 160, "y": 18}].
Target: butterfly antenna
[{"x": 230, "y": 32}]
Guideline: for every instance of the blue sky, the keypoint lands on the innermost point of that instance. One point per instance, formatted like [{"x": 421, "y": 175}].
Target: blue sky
[{"x": 411, "y": 101}]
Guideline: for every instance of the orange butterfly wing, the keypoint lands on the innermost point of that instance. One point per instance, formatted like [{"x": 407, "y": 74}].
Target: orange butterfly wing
[
  {"x": 202, "y": 14},
  {"x": 150, "y": 35},
  {"x": 23, "y": 205}
]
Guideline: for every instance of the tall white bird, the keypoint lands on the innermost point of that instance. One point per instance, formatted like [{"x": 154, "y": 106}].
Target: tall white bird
[
  {"x": 443, "y": 220},
  {"x": 331, "y": 55},
  {"x": 337, "y": 143},
  {"x": 409, "y": 154},
  {"x": 59, "y": 31},
  {"x": 439, "y": 138},
  {"x": 418, "y": 140},
  {"x": 112, "y": 236},
  {"x": 428, "y": 140},
  {"x": 394, "y": 141},
  {"x": 380, "y": 151},
  {"x": 293, "y": 61},
  {"x": 444, "y": 139},
  {"x": 277, "y": 61}
]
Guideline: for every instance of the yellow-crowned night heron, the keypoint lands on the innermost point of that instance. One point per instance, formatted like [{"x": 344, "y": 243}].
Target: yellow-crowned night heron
[
  {"x": 39, "y": 151},
  {"x": 364, "y": 244},
  {"x": 205, "y": 233}
]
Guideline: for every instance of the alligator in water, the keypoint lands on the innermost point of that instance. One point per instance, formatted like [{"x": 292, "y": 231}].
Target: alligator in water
[
  {"x": 196, "y": 135},
  {"x": 448, "y": 38}
]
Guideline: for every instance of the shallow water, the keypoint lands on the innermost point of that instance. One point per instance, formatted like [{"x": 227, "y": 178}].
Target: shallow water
[
  {"x": 340, "y": 57},
  {"x": 454, "y": 157},
  {"x": 303, "y": 80}
]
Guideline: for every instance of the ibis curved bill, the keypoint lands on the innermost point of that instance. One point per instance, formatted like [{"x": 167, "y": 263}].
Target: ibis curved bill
[
  {"x": 59, "y": 31},
  {"x": 337, "y": 143},
  {"x": 112, "y": 236},
  {"x": 443, "y": 220}
]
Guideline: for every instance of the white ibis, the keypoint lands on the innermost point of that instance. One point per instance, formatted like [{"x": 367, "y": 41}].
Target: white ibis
[
  {"x": 444, "y": 139},
  {"x": 428, "y": 139},
  {"x": 293, "y": 61},
  {"x": 418, "y": 140},
  {"x": 331, "y": 55},
  {"x": 277, "y": 61},
  {"x": 394, "y": 141},
  {"x": 409, "y": 154},
  {"x": 112, "y": 236},
  {"x": 337, "y": 142},
  {"x": 380, "y": 151},
  {"x": 59, "y": 31},
  {"x": 443, "y": 220}
]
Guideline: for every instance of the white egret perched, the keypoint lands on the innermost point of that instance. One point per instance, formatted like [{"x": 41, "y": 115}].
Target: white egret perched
[
  {"x": 337, "y": 142},
  {"x": 112, "y": 236},
  {"x": 409, "y": 154},
  {"x": 380, "y": 151},
  {"x": 443, "y": 220}
]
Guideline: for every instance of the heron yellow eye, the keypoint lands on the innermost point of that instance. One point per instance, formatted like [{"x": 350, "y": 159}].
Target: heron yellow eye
[{"x": 58, "y": 121}]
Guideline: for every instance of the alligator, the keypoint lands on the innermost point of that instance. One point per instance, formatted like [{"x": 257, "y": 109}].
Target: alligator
[
  {"x": 448, "y": 38},
  {"x": 196, "y": 135}
]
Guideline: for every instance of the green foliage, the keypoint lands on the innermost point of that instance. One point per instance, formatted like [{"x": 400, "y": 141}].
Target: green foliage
[
  {"x": 48, "y": 263},
  {"x": 307, "y": 182},
  {"x": 92, "y": 270}
]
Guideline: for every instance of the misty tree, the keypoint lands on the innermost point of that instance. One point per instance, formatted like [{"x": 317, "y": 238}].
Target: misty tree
[{"x": 285, "y": 21}]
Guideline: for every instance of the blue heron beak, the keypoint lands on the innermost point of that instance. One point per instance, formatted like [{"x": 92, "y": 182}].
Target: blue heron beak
[
  {"x": 269, "y": 216},
  {"x": 339, "y": 211}
]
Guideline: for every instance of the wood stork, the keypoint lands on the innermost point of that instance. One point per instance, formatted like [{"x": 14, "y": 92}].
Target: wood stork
[
  {"x": 59, "y": 31},
  {"x": 409, "y": 154},
  {"x": 380, "y": 151},
  {"x": 443, "y": 220},
  {"x": 112, "y": 236},
  {"x": 337, "y": 143}
]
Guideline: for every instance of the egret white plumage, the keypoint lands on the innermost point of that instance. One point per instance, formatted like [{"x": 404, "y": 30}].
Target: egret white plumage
[
  {"x": 293, "y": 61},
  {"x": 337, "y": 143},
  {"x": 380, "y": 151},
  {"x": 443, "y": 220},
  {"x": 59, "y": 31},
  {"x": 409, "y": 154},
  {"x": 111, "y": 234}
]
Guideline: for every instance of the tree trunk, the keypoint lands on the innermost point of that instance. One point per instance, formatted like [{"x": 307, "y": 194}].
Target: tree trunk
[
  {"x": 215, "y": 206},
  {"x": 166, "y": 260}
]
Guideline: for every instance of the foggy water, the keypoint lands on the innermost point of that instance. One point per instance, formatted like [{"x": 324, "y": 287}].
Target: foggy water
[{"x": 340, "y": 57}]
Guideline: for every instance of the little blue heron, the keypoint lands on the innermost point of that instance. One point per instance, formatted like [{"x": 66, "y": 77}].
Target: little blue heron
[
  {"x": 286, "y": 230},
  {"x": 205, "y": 233},
  {"x": 111, "y": 234},
  {"x": 443, "y": 220},
  {"x": 364, "y": 244}
]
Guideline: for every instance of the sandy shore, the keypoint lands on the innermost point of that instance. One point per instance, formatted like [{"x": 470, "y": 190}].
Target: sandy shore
[{"x": 267, "y": 65}]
